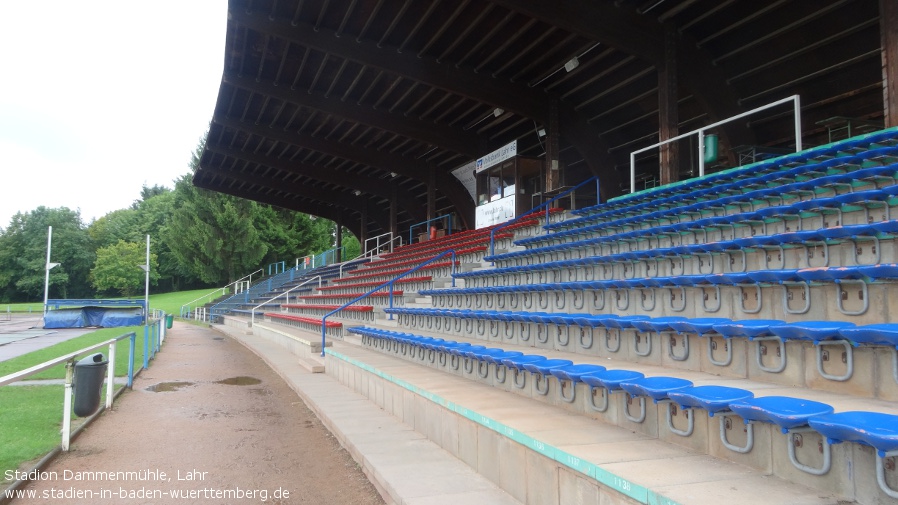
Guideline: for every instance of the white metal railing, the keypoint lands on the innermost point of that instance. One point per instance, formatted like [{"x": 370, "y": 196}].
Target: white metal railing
[
  {"x": 701, "y": 136},
  {"x": 69, "y": 359},
  {"x": 284, "y": 294},
  {"x": 381, "y": 241},
  {"x": 238, "y": 285}
]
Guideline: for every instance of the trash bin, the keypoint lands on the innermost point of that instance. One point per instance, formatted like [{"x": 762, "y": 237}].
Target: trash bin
[
  {"x": 169, "y": 320},
  {"x": 87, "y": 384}
]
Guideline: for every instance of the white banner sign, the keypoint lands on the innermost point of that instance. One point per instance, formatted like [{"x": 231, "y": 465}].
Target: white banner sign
[
  {"x": 495, "y": 212},
  {"x": 497, "y": 156},
  {"x": 465, "y": 175}
]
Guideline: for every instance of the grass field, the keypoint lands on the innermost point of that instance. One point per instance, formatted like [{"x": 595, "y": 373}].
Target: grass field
[
  {"x": 169, "y": 302},
  {"x": 31, "y": 416},
  {"x": 58, "y": 372}
]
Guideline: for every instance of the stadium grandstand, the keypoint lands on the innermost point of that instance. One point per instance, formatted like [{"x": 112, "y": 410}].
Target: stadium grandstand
[{"x": 629, "y": 251}]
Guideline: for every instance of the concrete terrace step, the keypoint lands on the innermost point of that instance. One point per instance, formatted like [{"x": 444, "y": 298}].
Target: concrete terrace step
[
  {"x": 543, "y": 455},
  {"x": 405, "y": 467}
]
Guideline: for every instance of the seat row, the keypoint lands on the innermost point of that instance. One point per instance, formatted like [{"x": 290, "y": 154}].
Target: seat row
[
  {"x": 674, "y": 396},
  {"x": 577, "y": 333},
  {"x": 865, "y": 200},
  {"x": 671, "y": 194},
  {"x": 793, "y": 184},
  {"x": 807, "y": 240},
  {"x": 852, "y": 292}
]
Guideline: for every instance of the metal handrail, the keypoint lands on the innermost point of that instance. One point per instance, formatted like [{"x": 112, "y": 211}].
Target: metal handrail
[
  {"x": 425, "y": 223},
  {"x": 252, "y": 317},
  {"x": 796, "y": 107},
  {"x": 276, "y": 264},
  {"x": 390, "y": 284},
  {"x": 540, "y": 206},
  {"x": 222, "y": 289},
  {"x": 378, "y": 244},
  {"x": 69, "y": 359}
]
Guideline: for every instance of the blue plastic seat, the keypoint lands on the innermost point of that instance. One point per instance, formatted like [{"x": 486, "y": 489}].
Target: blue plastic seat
[
  {"x": 611, "y": 379},
  {"x": 873, "y": 334},
  {"x": 657, "y": 324},
  {"x": 622, "y": 321},
  {"x": 774, "y": 276},
  {"x": 875, "y": 429},
  {"x": 518, "y": 362},
  {"x": 480, "y": 354},
  {"x": 816, "y": 331},
  {"x": 461, "y": 351},
  {"x": 879, "y": 271},
  {"x": 750, "y": 328},
  {"x": 574, "y": 373},
  {"x": 711, "y": 398},
  {"x": 656, "y": 388},
  {"x": 699, "y": 325},
  {"x": 830, "y": 273},
  {"x": 544, "y": 367},
  {"x": 498, "y": 357},
  {"x": 592, "y": 321},
  {"x": 784, "y": 411}
]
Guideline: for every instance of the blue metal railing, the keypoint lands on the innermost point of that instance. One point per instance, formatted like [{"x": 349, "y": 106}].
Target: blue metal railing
[
  {"x": 448, "y": 217},
  {"x": 389, "y": 283},
  {"x": 278, "y": 267},
  {"x": 540, "y": 207}
]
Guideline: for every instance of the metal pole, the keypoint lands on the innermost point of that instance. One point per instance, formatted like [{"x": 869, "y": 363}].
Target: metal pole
[
  {"x": 67, "y": 406},
  {"x": 146, "y": 301},
  {"x": 131, "y": 341},
  {"x": 797, "y": 108},
  {"x": 110, "y": 376},
  {"x": 701, "y": 153},
  {"x": 48, "y": 266},
  {"x": 632, "y": 172}
]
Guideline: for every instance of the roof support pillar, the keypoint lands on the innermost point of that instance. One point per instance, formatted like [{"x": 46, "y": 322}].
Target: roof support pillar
[
  {"x": 363, "y": 229},
  {"x": 668, "y": 113},
  {"x": 888, "y": 27},
  {"x": 338, "y": 255},
  {"x": 393, "y": 211},
  {"x": 553, "y": 164},
  {"x": 431, "y": 192}
]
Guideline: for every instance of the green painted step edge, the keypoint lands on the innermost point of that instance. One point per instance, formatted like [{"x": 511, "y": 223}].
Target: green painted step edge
[{"x": 604, "y": 477}]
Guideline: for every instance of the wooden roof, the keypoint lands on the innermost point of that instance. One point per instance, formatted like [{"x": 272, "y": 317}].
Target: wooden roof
[{"x": 338, "y": 107}]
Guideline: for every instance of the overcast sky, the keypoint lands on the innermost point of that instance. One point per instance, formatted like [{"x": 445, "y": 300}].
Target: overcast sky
[{"x": 98, "y": 98}]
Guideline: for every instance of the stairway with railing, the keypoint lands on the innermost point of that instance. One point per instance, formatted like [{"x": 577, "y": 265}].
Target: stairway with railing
[{"x": 722, "y": 338}]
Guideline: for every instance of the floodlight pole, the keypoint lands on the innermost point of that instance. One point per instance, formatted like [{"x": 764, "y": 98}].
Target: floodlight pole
[
  {"x": 146, "y": 296},
  {"x": 48, "y": 267},
  {"x": 146, "y": 309}
]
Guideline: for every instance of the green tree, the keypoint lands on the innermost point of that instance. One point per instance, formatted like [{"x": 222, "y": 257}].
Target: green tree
[
  {"x": 118, "y": 268},
  {"x": 212, "y": 234},
  {"x": 351, "y": 246},
  {"x": 117, "y": 225},
  {"x": 23, "y": 254},
  {"x": 290, "y": 235}
]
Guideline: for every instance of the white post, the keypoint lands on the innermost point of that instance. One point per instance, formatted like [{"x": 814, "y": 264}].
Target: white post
[
  {"x": 48, "y": 267},
  {"x": 147, "y": 290},
  {"x": 797, "y": 105},
  {"x": 110, "y": 376},
  {"x": 67, "y": 406},
  {"x": 701, "y": 153},
  {"x": 632, "y": 172}
]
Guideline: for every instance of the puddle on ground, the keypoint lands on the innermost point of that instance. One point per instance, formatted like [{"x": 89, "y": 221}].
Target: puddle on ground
[
  {"x": 217, "y": 338},
  {"x": 168, "y": 386},
  {"x": 239, "y": 381}
]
